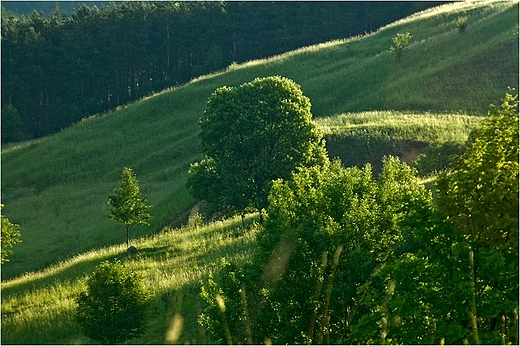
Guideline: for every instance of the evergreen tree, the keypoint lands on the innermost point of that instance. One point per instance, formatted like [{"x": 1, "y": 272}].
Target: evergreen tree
[
  {"x": 58, "y": 68},
  {"x": 128, "y": 205}
]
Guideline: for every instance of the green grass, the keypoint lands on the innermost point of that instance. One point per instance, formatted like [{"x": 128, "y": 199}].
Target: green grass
[
  {"x": 358, "y": 138},
  {"x": 57, "y": 187},
  {"x": 38, "y": 307},
  {"x": 421, "y": 127}
]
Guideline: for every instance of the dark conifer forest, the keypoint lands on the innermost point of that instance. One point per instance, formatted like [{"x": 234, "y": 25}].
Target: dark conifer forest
[{"x": 60, "y": 68}]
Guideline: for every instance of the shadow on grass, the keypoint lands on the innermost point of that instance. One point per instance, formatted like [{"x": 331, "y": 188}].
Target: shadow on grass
[
  {"x": 165, "y": 309},
  {"x": 177, "y": 301},
  {"x": 67, "y": 271}
]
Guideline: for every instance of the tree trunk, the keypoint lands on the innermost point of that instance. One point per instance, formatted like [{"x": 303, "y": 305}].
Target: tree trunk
[{"x": 127, "y": 246}]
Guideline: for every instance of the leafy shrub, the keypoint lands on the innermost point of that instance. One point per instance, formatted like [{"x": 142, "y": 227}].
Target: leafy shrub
[
  {"x": 480, "y": 191},
  {"x": 113, "y": 308},
  {"x": 326, "y": 231},
  {"x": 10, "y": 236},
  {"x": 401, "y": 41},
  {"x": 423, "y": 293},
  {"x": 437, "y": 157},
  {"x": 195, "y": 221},
  {"x": 226, "y": 315}
]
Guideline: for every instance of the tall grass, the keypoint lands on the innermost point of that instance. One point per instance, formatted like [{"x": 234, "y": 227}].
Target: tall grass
[
  {"x": 366, "y": 137},
  {"x": 422, "y": 127},
  {"x": 38, "y": 307},
  {"x": 56, "y": 187}
]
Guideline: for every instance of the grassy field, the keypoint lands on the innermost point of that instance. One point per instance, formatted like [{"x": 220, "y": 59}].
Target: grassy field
[
  {"x": 358, "y": 138},
  {"x": 367, "y": 104},
  {"x": 37, "y": 308},
  {"x": 56, "y": 187}
]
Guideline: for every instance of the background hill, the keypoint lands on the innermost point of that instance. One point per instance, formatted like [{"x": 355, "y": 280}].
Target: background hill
[
  {"x": 57, "y": 187},
  {"x": 67, "y": 63}
]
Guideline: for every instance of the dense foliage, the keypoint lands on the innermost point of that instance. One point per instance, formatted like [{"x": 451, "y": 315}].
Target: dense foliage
[
  {"x": 328, "y": 229},
  {"x": 252, "y": 135},
  {"x": 437, "y": 157},
  {"x": 61, "y": 68},
  {"x": 480, "y": 192},
  {"x": 114, "y": 306},
  {"x": 128, "y": 206},
  {"x": 10, "y": 236},
  {"x": 345, "y": 258}
]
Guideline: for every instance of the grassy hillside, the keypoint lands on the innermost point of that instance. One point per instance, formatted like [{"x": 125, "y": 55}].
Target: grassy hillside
[
  {"x": 37, "y": 308},
  {"x": 357, "y": 138},
  {"x": 57, "y": 187}
]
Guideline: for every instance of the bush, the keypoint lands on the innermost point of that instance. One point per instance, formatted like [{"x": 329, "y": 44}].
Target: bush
[
  {"x": 10, "y": 236},
  {"x": 326, "y": 231},
  {"x": 401, "y": 41},
  {"x": 113, "y": 308}
]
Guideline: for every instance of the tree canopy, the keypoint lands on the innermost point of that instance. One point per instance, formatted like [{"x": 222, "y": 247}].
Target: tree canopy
[
  {"x": 10, "y": 236},
  {"x": 327, "y": 230},
  {"x": 479, "y": 193},
  {"x": 252, "y": 135}
]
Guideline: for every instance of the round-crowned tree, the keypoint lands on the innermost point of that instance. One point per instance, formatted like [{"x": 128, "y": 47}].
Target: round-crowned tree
[
  {"x": 252, "y": 135},
  {"x": 114, "y": 306}
]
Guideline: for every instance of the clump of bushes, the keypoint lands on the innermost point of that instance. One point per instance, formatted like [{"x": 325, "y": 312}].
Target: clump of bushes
[{"x": 113, "y": 308}]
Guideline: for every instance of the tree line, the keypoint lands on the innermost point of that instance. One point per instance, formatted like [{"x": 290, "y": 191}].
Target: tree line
[{"x": 60, "y": 68}]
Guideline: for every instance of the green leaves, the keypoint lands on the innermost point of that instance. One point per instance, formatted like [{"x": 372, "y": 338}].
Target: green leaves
[
  {"x": 10, "y": 236},
  {"x": 252, "y": 135},
  {"x": 128, "y": 205},
  {"x": 401, "y": 41},
  {"x": 113, "y": 307},
  {"x": 480, "y": 192},
  {"x": 324, "y": 209}
]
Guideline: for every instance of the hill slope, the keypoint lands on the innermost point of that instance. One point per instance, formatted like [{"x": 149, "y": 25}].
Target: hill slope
[
  {"x": 57, "y": 187},
  {"x": 38, "y": 308}
]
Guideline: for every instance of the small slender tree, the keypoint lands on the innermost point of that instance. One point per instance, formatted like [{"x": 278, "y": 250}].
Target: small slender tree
[
  {"x": 462, "y": 24},
  {"x": 128, "y": 205},
  {"x": 10, "y": 236},
  {"x": 401, "y": 41}
]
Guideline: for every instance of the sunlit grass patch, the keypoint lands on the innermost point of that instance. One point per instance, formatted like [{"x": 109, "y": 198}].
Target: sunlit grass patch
[
  {"x": 426, "y": 127},
  {"x": 38, "y": 307}
]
